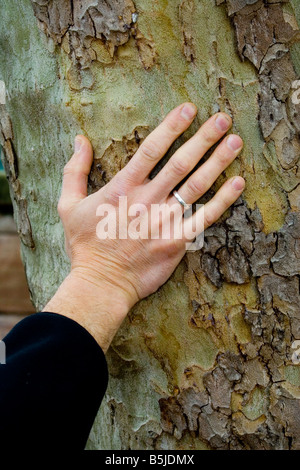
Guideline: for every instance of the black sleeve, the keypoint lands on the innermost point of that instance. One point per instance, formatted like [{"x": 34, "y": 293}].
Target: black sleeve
[{"x": 52, "y": 384}]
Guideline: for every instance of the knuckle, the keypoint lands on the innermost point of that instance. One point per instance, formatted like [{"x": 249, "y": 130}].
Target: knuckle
[
  {"x": 223, "y": 159},
  {"x": 209, "y": 218},
  {"x": 178, "y": 167},
  {"x": 174, "y": 126},
  {"x": 196, "y": 187},
  {"x": 174, "y": 246},
  {"x": 62, "y": 207},
  {"x": 223, "y": 202},
  {"x": 116, "y": 188},
  {"x": 150, "y": 151},
  {"x": 71, "y": 168},
  {"x": 208, "y": 135},
  {"x": 68, "y": 168}
]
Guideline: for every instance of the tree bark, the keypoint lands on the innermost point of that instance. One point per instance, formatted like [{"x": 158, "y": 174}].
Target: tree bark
[{"x": 209, "y": 361}]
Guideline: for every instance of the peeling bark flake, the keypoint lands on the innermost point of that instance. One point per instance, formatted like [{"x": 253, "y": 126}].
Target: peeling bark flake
[
  {"x": 110, "y": 20},
  {"x": 186, "y": 16},
  {"x": 111, "y": 23},
  {"x": 92, "y": 30}
]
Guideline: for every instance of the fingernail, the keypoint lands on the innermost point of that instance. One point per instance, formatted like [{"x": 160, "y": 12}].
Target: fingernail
[
  {"x": 188, "y": 112},
  {"x": 234, "y": 142},
  {"x": 238, "y": 183},
  {"x": 77, "y": 144},
  {"x": 222, "y": 122}
]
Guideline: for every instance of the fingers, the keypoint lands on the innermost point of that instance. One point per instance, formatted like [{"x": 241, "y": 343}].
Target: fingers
[
  {"x": 202, "y": 179},
  {"x": 76, "y": 173},
  {"x": 159, "y": 141},
  {"x": 212, "y": 211},
  {"x": 187, "y": 157}
]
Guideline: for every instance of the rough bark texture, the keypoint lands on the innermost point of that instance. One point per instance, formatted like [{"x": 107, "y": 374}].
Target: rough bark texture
[{"x": 206, "y": 362}]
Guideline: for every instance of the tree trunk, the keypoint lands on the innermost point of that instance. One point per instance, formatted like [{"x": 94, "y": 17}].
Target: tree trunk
[{"x": 210, "y": 360}]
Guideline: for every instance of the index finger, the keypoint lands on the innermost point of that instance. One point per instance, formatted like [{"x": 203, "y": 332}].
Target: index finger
[{"x": 159, "y": 141}]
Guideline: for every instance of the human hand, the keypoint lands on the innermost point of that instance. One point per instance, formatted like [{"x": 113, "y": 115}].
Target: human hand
[{"x": 112, "y": 274}]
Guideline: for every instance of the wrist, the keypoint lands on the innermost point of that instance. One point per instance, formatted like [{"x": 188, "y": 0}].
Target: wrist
[{"x": 97, "y": 306}]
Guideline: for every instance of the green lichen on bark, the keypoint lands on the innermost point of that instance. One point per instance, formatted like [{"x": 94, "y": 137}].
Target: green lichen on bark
[{"x": 206, "y": 361}]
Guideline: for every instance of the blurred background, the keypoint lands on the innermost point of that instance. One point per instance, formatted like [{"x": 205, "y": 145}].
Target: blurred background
[{"x": 15, "y": 301}]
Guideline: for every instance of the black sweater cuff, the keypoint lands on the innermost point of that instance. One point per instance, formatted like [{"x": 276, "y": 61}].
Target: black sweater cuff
[{"x": 52, "y": 384}]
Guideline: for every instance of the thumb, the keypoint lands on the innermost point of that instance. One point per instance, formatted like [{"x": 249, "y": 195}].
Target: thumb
[{"x": 76, "y": 172}]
